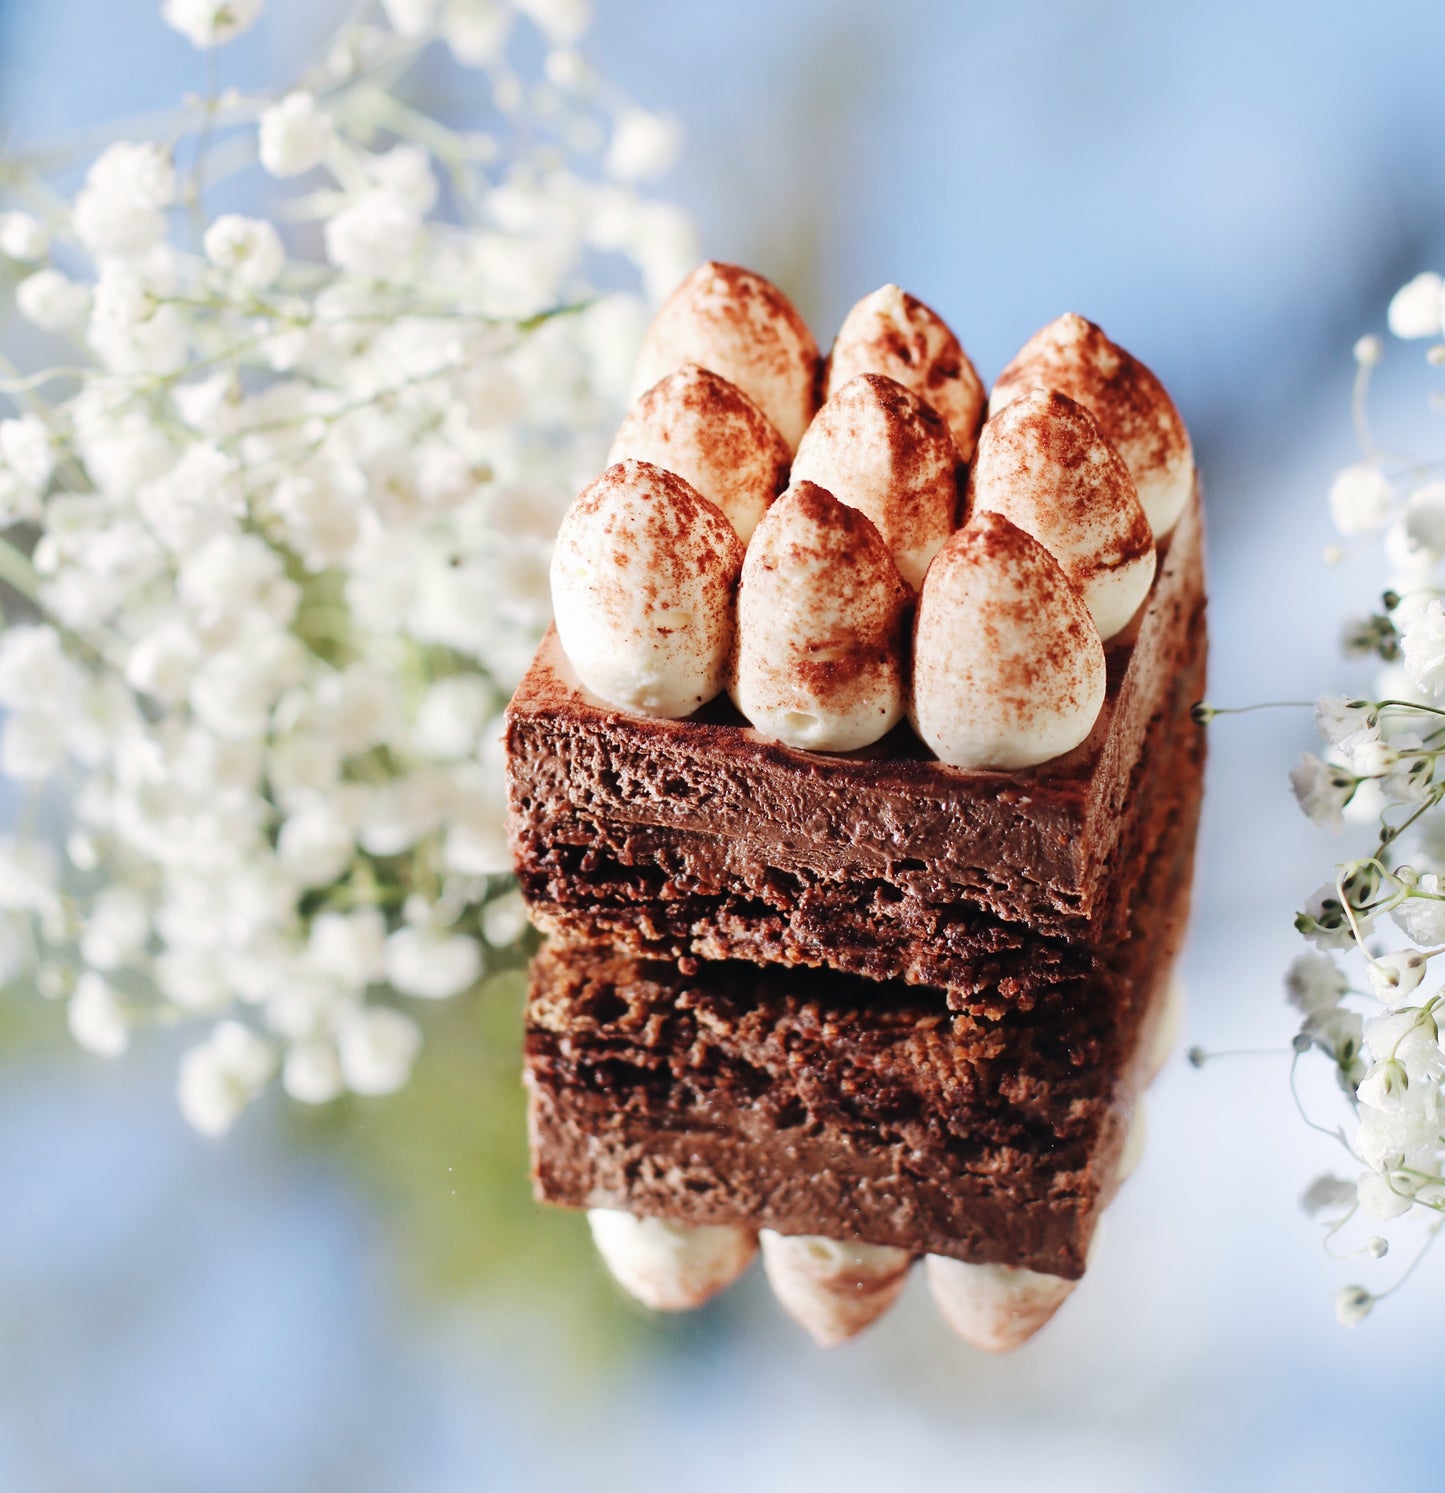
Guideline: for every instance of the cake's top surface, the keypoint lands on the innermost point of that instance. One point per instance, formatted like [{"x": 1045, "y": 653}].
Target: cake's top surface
[{"x": 729, "y": 381}]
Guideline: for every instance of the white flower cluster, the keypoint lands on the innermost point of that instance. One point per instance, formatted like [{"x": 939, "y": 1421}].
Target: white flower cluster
[
  {"x": 1365, "y": 993},
  {"x": 284, "y": 538}
]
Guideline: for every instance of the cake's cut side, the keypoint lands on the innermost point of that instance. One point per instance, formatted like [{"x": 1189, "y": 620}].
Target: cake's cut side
[
  {"x": 814, "y": 1103},
  {"x": 699, "y": 839}
]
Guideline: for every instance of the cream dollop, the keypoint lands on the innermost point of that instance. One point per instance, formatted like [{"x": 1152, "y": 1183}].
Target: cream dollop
[
  {"x": 742, "y": 327},
  {"x": 833, "y": 1288},
  {"x": 1134, "y": 411},
  {"x": 1008, "y": 669},
  {"x": 670, "y": 1267},
  {"x": 819, "y": 656},
  {"x": 708, "y": 432},
  {"x": 1131, "y": 1153},
  {"x": 994, "y": 1307},
  {"x": 1167, "y": 1026},
  {"x": 643, "y": 575},
  {"x": 1043, "y": 463},
  {"x": 893, "y": 333},
  {"x": 879, "y": 448}
]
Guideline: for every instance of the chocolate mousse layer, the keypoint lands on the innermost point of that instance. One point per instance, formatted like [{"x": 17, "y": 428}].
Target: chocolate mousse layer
[
  {"x": 701, "y": 839},
  {"x": 813, "y": 1102}
]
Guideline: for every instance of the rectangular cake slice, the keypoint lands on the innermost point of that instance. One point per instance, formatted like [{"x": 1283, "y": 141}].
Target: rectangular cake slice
[
  {"x": 699, "y": 838},
  {"x": 812, "y": 1102}
]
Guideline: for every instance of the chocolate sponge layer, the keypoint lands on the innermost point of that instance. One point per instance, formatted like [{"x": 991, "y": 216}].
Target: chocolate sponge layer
[{"x": 699, "y": 839}]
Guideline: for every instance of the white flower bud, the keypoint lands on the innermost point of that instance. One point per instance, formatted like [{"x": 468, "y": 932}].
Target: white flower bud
[
  {"x": 97, "y": 1018},
  {"x": 22, "y": 237},
  {"x": 504, "y": 920},
  {"x": 312, "y": 1073},
  {"x": 52, "y": 301},
  {"x": 644, "y": 146},
  {"x": 1322, "y": 789},
  {"x": 1361, "y": 498},
  {"x": 120, "y": 210},
  {"x": 1421, "y": 916},
  {"x": 351, "y": 946},
  {"x": 248, "y": 249},
  {"x": 431, "y": 965},
  {"x": 222, "y": 1075},
  {"x": 477, "y": 31},
  {"x": 1417, "y": 309},
  {"x": 1369, "y": 350},
  {"x": 377, "y": 1047},
  {"x": 1315, "y": 983},
  {"x": 1381, "y": 1199},
  {"x": 211, "y": 23},
  {"x": 1352, "y": 1305},
  {"x": 374, "y": 236},
  {"x": 295, "y": 135},
  {"x": 1393, "y": 976},
  {"x": 411, "y": 17},
  {"x": 1384, "y": 1086}
]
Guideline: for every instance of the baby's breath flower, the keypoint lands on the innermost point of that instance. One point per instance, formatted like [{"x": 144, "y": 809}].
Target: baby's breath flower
[
  {"x": 96, "y": 1017},
  {"x": 23, "y": 237},
  {"x": 292, "y": 547},
  {"x": 432, "y": 965},
  {"x": 504, "y": 920},
  {"x": 221, "y": 1076},
  {"x": 295, "y": 135},
  {"x": 121, "y": 209},
  {"x": 1322, "y": 789},
  {"x": 376, "y": 1048},
  {"x": 411, "y": 17},
  {"x": 248, "y": 249},
  {"x": 1385, "y": 1195},
  {"x": 1315, "y": 983},
  {"x": 1368, "y": 351},
  {"x": 1338, "y": 718},
  {"x": 1420, "y": 915},
  {"x": 1418, "y": 309},
  {"x": 373, "y": 237},
  {"x": 477, "y": 31},
  {"x": 312, "y": 1072},
  {"x": 644, "y": 146},
  {"x": 53, "y": 302},
  {"x": 1361, "y": 499},
  {"x": 1423, "y": 647},
  {"x": 1425, "y": 520},
  {"x": 1384, "y": 1085},
  {"x": 1393, "y": 977},
  {"x": 211, "y": 23},
  {"x": 1340, "y": 1034}
]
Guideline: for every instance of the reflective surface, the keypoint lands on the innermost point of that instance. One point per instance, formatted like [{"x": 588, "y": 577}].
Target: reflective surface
[{"x": 369, "y": 1299}]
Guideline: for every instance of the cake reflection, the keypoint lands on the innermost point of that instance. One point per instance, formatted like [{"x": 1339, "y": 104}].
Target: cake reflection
[{"x": 849, "y": 1126}]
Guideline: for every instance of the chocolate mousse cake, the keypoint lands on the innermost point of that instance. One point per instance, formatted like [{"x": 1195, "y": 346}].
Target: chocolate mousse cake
[{"x": 856, "y": 788}]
